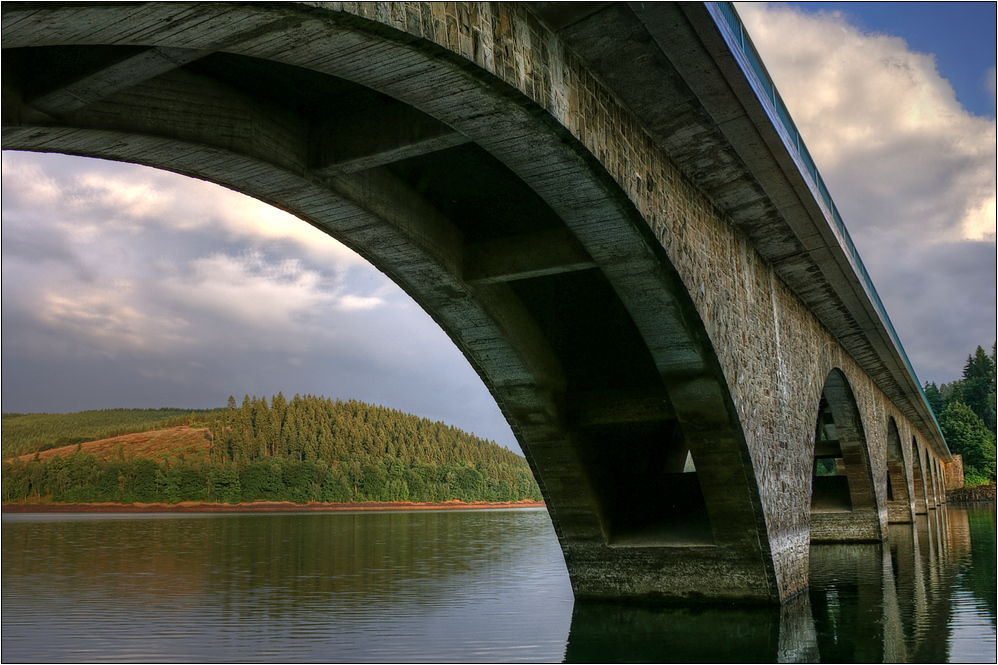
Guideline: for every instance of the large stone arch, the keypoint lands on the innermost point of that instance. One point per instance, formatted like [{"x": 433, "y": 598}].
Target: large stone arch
[
  {"x": 900, "y": 507},
  {"x": 844, "y": 503},
  {"x": 484, "y": 208}
]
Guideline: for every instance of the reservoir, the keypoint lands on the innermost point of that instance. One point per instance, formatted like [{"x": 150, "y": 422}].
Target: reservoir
[{"x": 448, "y": 586}]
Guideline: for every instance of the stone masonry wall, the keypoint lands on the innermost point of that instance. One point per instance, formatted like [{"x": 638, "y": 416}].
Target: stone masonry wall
[{"x": 954, "y": 473}]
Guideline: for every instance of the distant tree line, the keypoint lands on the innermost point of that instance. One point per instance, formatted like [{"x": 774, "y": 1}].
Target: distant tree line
[
  {"x": 306, "y": 449},
  {"x": 965, "y": 410}
]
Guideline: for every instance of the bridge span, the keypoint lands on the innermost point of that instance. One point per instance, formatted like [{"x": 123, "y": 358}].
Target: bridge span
[{"x": 605, "y": 205}]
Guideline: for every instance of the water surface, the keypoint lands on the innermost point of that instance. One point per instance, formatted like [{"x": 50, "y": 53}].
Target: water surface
[{"x": 479, "y": 586}]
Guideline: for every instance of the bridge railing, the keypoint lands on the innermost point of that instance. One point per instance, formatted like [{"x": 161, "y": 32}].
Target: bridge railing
[{"x": 734, "y": 32}]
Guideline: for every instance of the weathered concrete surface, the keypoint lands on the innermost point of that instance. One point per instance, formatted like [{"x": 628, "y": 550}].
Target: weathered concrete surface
[{"x": 631, "y": 292}]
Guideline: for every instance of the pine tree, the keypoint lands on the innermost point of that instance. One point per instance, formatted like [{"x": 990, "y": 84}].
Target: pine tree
[
  {"x": 934, "y": 398},
  {"x": 977, "y": 390}
]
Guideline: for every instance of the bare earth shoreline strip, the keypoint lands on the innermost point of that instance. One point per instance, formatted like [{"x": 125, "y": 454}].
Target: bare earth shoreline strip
[{"x": 255, "y": 507}]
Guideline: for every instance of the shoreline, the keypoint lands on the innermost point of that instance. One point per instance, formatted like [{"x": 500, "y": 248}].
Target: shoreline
[{"x": 257, "y": 507}]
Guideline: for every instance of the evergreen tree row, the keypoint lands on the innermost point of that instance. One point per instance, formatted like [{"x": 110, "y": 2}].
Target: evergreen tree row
[
  {"x": 302, "y": 450},
  {"x": 965, "y": 411},
  {"x": 83, "y": 478},
  {"x": 316, "y": 428}
]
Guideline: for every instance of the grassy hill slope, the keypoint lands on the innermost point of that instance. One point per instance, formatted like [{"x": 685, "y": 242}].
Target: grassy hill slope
[
  {"x": 163, "y": 445},
  {"x": 25, "y": 433}
]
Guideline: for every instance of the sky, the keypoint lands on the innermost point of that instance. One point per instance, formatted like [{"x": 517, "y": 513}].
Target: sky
[{"x": 124, "y": 286}]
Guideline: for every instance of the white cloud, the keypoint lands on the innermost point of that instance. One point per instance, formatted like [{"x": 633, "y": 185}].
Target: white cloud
[
  {"x": 107, "y": 321},
  {"x": 29, "y": 182},
  {"x": 252, "y": 290},
  {"x": 352, "y": 302},
  {"x": 95, "y": 197},
  {"x": 894, "y": 145},
  {"x": 130, "y": 198}
]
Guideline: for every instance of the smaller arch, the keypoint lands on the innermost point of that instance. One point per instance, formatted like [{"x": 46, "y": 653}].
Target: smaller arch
[
  {"x": 900, "y": 508},
  {"x": 932, "y": 485},
  {"x": 843, "y": 499},
  {"x": 919, "y": 485},
  {"x": 940, "y": 482},
  {"x": 923, "y": 458}
]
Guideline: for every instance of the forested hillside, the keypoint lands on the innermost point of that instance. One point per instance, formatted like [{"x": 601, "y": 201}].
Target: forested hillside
[
  {"x": 305, "y": 449},
  {"x": 965, "y": 410}
]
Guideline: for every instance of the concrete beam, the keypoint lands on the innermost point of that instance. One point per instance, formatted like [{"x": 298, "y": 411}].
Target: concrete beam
[
  {"x": 615, "y": 407},
  {"x": 113, "y": 78},
  {"x": 521, "y": 257},
  {"x": 390, "y": 199},
  {"x": 376, "y": 138}
]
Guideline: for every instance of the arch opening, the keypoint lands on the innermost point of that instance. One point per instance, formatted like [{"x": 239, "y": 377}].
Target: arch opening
[
  {"x": 843, "y": 499},
  {"x": 921, "y": 499},
  {"x": 830, "y": 490},
  {"x": 899, "y": 504}
]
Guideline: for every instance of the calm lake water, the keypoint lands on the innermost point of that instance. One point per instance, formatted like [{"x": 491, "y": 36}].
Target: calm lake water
[{"x": 483, "y": 586}]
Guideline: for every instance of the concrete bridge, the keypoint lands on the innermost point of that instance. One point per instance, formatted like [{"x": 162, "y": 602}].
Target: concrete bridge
[{"x": 608, "y": 209}]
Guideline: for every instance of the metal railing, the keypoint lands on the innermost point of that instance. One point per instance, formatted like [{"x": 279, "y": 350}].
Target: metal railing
[{"x": 733, "y": 29}]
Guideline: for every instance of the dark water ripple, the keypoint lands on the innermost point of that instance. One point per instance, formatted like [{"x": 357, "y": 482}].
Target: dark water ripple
[{"x": 487, "y": 586}]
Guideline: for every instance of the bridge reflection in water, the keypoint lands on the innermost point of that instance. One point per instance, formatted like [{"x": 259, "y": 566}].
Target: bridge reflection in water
[{"x": 905, "y": 600}]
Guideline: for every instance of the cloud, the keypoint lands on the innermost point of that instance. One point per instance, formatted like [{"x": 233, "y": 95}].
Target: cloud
[
  {"x": 886, "y": 130},
  {"x": 253, "y": 289},
  {"x": 85, "y": 197},
  {"x": 911, "y": 170}
]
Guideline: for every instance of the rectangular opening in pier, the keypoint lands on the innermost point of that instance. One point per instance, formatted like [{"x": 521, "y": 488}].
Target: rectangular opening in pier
[{"x": 648, "y": 487}]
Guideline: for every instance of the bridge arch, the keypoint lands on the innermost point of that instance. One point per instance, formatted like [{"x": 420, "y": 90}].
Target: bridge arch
[
  {"x": 920, "y": 480},
  {"x": 933, "y": 481},
  {"x": 900, "y": 507},
  {"x": 843, "y": 494},
  {"x": 487, "y": 211},
  {"x": 938, "y": 484}
]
